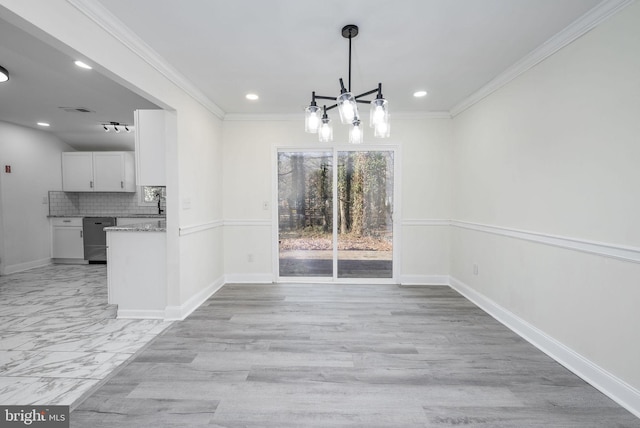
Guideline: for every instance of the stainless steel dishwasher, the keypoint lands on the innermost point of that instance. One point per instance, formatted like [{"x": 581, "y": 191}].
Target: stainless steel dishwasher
[{"x": 95, "y": 238}]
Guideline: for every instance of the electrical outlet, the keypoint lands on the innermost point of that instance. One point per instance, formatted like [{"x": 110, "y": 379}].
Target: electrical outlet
[
  {"x": 475, "y": 268},
  {"x": 250, "y": 258}
]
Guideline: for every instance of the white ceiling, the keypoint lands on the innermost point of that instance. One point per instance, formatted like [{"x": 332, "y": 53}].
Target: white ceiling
[
  {"x": 282, "y": 50},
  {"x": 285, "y": 49},
  {"x": 43, "y": 79}
]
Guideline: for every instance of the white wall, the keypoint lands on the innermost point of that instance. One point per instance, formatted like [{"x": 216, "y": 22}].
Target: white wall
[
  {"x": 425, "y": 193},
  {"x": 553, "y": 155},
  {"x": 194, "y": 263},
  {"x": 34, "y": 157}
]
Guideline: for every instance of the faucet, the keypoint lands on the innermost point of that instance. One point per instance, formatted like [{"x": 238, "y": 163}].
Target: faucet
[{"x": 160, "y": 210}]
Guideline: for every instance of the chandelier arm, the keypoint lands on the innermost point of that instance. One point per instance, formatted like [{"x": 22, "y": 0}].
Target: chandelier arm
[
  {"x": 363, "y": 101},
  {"x": 322, "y": 97},
  {"x": 333, "y": 106},
  {"x": 373, "y": 91}
]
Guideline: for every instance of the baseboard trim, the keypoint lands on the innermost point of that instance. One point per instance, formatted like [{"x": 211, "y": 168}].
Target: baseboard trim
[
  {"x": 424, "y": 280},
  {"x": 248, "y": 278},
  {"x": 179, "y": 313},
  {"x": 613, "y": 387},
  {"x": 21, "y": 267},
  {"x": 141, "y": 314}
]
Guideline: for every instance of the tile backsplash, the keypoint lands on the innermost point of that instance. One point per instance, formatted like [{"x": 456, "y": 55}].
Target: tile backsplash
[{"x": 97, "y": 204}]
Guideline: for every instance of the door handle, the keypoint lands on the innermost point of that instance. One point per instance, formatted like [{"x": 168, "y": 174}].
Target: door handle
[
  {"x": 91, "y": 184},
  {"x": 122, "y": 184},
  {"x": 81, "y": 234}
]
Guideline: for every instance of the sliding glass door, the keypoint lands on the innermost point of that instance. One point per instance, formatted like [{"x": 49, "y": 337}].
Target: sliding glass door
[{"x": 335, "y": 214}]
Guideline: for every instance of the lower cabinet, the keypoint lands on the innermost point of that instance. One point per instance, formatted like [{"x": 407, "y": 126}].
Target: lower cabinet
[{"x": 67, "y": 241}]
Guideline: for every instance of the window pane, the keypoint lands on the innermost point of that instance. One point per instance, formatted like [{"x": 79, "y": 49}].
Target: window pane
[{"x": 305, "y": 212}]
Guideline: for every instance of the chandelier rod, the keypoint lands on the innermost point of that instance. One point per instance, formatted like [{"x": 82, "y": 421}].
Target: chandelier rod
[{"x": 350, "y": 59}]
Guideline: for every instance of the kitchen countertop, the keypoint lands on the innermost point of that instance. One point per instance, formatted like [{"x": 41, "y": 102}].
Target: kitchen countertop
[
  {"x": 153, "y": 226},
  {"x": 110, "y": 215}
]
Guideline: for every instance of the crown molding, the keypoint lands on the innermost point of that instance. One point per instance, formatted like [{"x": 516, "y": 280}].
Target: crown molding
[
  {"x": 112, "y": 25},
  {"x": 266, "y": 117},
  {"x": 575, "y": 30},
  {"x": 297, "y": 117},
  {"x": 419, "y": 115}
]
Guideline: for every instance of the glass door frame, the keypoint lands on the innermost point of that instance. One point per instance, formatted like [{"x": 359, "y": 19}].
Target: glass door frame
[{"x": 396, "y": 215}]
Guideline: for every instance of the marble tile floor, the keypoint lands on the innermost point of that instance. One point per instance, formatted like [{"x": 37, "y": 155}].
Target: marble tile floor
[
  {"x": 59, "y": 338},
  {"x": 324, "y": 355}
]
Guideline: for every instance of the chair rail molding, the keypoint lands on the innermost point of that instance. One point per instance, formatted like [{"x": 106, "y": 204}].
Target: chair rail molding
[
  {"x": 614, "y": 251},
  {"x": 200, "y": 227}
]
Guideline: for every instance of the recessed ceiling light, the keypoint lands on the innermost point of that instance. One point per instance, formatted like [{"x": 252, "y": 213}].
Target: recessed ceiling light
[
  {"x": 45, "y": 124},
  {"x": 83, "y": 65},
  {"x": 252, "y": 97},
  {"x": 420, "y": 94}
]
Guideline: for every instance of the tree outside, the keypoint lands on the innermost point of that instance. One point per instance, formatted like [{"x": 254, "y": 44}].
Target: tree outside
[{"x": 364, "y": 214}]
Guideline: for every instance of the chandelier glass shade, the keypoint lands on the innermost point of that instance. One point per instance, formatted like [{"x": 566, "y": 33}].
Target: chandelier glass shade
[
  {"x": 4, "y": 74},
  {"x": 325, "y": 133},
  {"x": 347, "y": 104}
]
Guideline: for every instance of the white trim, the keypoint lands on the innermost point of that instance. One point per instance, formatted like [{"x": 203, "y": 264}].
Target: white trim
[
  {"x": 299, "y": 117},
  {"x": 424, "y": 280},
  {"x": 619, "y": 252},
  {"x": 248, "y": 278},
  {"x": 172, "y": 313},
  {"x": 615, "y": 388},
  {"x": 250, "y": 222},
  {"x": 575, "y": 30},
  {"x": 425, "y": 222},
  {"x": 141, "y": 314},
  {"x": 420, "y": 115},
  {"x": 20, "y": 267},
  {"x": 112, "y": 25},
  {"x": 266, "y": 117},
  {"x": 188, "y": 230}
]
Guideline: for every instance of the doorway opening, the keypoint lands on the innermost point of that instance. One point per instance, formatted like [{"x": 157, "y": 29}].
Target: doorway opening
[{"x": 335, "y": 214}]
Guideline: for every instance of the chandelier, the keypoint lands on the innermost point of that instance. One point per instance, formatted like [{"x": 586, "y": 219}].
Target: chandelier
[{"x": 317, "y": 121}]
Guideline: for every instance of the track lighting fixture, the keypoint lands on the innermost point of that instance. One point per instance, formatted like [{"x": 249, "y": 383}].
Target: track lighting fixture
[
  {"x": 347, "y": 106},
  {"x": 4, "y": 74},
  {"x": 116, "y": 126}
]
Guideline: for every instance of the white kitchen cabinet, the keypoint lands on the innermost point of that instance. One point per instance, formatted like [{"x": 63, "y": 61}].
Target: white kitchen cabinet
[
  {"x": 67, "y": 241},
  {"x": 113, "y": 172},
  {"x": 152, "y": 129},
  {"x": 98, "y": 172},
  {"x": 77, "y": 171}
]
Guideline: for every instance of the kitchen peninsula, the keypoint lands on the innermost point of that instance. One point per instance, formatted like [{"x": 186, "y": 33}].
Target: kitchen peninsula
[{"x": 136, "y": 269}]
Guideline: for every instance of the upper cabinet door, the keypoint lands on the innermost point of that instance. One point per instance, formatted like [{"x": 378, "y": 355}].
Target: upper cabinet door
[
  {"x": 108, "y": 171},
  {"x": 114, "y": 172},
  {"x": 152, "y": 128},
  {"x": 98, "y": 172},
  {"x": 77, "y": 172}
]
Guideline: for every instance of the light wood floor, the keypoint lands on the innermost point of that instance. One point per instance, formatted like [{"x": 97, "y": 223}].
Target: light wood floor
[{"x": 344, "y": 355}]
